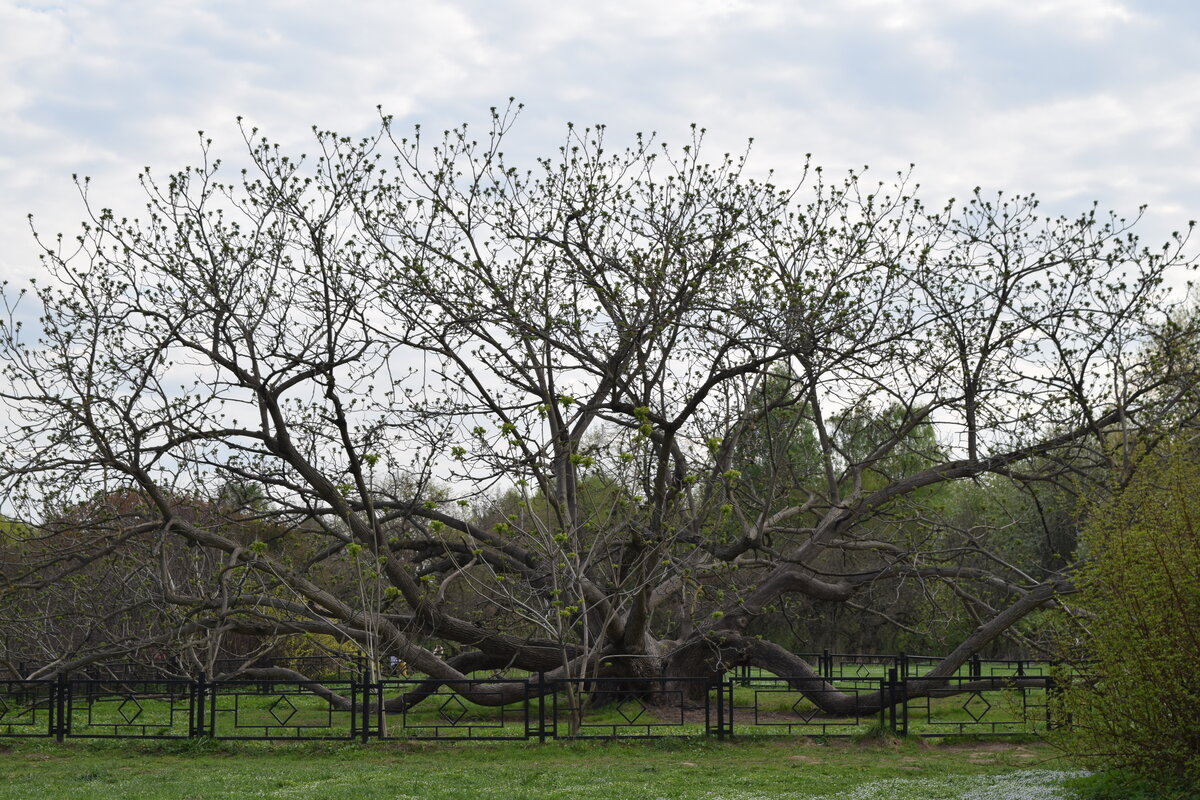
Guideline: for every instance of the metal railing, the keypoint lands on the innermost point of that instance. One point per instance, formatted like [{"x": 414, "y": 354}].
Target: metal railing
[{"x": 848, "y": 697}]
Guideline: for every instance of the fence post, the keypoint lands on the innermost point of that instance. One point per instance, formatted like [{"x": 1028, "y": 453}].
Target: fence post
[
  {"x": 364, "y": 684},
  {"x": 1051, "y": 692},
  {"x": 61, "y": 705},
  {"x": 902, "y": 662},
  {"x": 826, "y": 664},
  {"x": 52, "y": 709},
  {"x": 541, "y": 707},
  {"x": 353, "y": 705},
  {"x": 211, "y": 689},
  {"x": 201, "y": 692},
  {"x": 727, "y": 703},
  {"x": 891, "y": 695},
  {"x": 720, "y": 687},
  {"x": 380, "y": 721},
  {"x": 976, "y": 666},
  {"x": 192, "y": 709},
  {"x": 1050, "y": 699}
]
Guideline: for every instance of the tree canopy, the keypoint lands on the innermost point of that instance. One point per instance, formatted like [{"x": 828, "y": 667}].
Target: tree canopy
[{"x": 610, "y": 411}]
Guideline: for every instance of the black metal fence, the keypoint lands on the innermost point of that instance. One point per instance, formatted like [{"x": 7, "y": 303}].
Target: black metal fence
[{"x": 850, "y": 696}]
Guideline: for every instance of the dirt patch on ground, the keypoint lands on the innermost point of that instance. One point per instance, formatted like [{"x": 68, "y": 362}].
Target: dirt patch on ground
[
  {"x": 805, "y": 759},
  {"x": 1009, "y": 753},
  {"x": 981, "y": 747}
]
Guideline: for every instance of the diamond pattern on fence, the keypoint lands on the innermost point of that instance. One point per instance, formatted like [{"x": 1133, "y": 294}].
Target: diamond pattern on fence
[
  {"x": 130, "y": 709},
  {"x": 631, "y": 710},
  {"x": 976, "y": 706},
  {"x": 805, "y": 710},
  {"x": 282, "y": 709},
  {"x": 452, "y": 710}
]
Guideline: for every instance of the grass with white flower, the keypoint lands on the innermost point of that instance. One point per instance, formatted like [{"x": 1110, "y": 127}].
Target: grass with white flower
[{"x": 703, "y": 769}]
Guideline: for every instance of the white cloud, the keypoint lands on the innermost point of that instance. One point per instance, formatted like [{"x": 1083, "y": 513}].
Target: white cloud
[
  {"x": 1072, "y": 18},
  {"x": 1086, "y": 18},
  {"x": 1073, "y": 98}
]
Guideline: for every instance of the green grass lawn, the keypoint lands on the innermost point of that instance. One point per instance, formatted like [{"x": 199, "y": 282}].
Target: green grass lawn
[{"x": 740, "y": 770}]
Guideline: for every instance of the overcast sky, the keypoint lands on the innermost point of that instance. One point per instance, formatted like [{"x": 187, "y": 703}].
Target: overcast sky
[{"x": 1076, "y": 100}]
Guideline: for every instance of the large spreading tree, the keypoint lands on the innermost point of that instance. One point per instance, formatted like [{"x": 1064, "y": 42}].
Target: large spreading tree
[{"x": 605, "y": 413}]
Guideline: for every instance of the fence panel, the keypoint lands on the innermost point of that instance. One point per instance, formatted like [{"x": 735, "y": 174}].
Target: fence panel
[
  {"x": 454, "y": 710},
  {"x": 293, "y": 710},
  {"x": 27, "y": 708},
  {"x": 782, "y": 705},
  {"x": 975, "y": 706},
  {"x": 992, "y": 698},
  {"x": 125, "y": 709},
  {"x": 633, "y": 708}
]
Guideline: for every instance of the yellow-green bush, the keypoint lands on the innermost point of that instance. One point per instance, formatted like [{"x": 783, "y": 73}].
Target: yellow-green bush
[{"x": 1141, "y": 581}]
